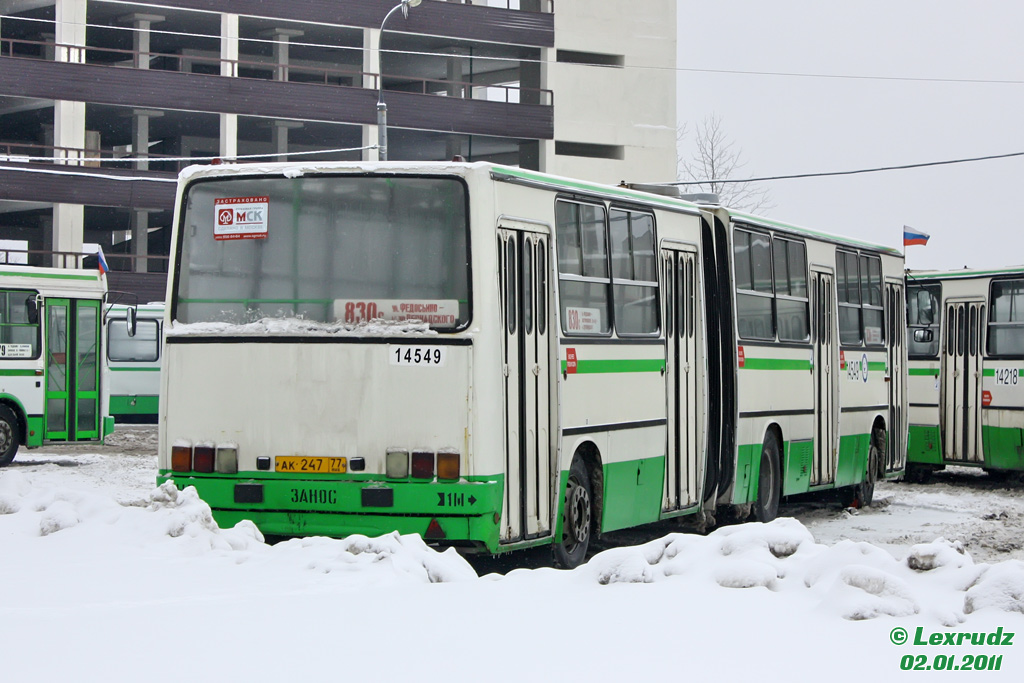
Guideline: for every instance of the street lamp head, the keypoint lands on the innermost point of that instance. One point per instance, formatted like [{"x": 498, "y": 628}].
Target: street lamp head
[{"x": 406, "y": 4}]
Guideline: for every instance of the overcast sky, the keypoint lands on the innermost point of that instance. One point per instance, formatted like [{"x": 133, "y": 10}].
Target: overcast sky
[{"x": 789, "y": 124}]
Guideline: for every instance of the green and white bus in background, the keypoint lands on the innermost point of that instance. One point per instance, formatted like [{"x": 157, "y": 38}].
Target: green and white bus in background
[
  {"x": 497, "y": 358},
  {"x": 53, "y": 381},
  {"x": 133, "y": 357},
  {"x": 966, "y": 344}
]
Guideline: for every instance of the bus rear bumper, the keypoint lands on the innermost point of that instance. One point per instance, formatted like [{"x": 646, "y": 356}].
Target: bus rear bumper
[{"x": 448, "y": 513}]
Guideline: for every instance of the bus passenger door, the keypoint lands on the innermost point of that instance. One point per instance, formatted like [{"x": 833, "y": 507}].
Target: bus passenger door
[
  {"x": 685, "y": 419},
  {"x": 523, "y": 269},
  {"x": 896, "y": 453},
  {"x": 961, "y": 381},
  {"x": 72, "y": 369},
  {"x": 825, "y": 344}
]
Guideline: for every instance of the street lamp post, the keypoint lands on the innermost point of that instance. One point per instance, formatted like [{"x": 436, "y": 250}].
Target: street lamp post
[{"x": 382, "y": 108}]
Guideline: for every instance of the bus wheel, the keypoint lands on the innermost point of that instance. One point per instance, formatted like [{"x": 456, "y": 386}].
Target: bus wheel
[
  {"x": 576, "y": 518},
  {"x": 864, "y": 492},
  {"x": 769, "y": 481},
  {"x": 9, "y": 437}
]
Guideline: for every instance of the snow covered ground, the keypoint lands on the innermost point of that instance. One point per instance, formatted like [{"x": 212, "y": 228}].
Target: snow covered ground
[{"x": 103, "y": 577}]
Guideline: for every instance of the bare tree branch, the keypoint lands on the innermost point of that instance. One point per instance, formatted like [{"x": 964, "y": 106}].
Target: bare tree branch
[{"x": 715, "y": 157}]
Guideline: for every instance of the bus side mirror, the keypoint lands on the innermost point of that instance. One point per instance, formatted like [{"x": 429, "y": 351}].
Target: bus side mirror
[
  {"x": 32, "y": 310},
  {"x": 132, "y": 320},
  {"x": 923, "y": 336}
]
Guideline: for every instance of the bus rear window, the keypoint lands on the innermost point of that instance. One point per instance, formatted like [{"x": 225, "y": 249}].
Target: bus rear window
[{"x": 325, "y": 249}]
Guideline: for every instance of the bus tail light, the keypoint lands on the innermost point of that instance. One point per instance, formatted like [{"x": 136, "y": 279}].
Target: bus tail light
[
  {"x": 396, "y": 466},
  {"x": 181, "y": 457},
  {"x": 202, "y": 458},
  {"x": 422, "y": 464},
  {"x": 227, "y": 459},
  {"x": 448, "y": 464}
]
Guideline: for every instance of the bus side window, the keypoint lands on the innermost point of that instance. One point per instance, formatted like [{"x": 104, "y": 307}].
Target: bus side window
[
  {"x": 1006, "y": 318},
  {"x": 752, "y": 256},
  {"x": 19, "y": 323},
  {"x": 583, "y": 278}
]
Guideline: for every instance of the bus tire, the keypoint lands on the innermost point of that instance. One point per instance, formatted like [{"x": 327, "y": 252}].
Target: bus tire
[
  {"x": 864, "y": 492},
  {"x": 769, "y": 481},
  {"x": 577, "y": 518},
  {"x": 10, "y": 436}
]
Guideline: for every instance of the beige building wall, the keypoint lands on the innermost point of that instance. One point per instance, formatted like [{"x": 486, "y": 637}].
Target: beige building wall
[{"x": 628, "y": 110}]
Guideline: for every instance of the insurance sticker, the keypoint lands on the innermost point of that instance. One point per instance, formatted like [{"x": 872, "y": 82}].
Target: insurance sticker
[{"x": 241, "y": 218}]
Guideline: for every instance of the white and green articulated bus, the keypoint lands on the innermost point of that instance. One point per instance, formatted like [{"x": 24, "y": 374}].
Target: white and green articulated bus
[
  {"x": 497, "y": 358},
  {"x": 813, "y": 395},
  {"x": 53, "y": 381},
  {"x": 134, "y": 357},
  {"x": 966, "y": 344}
]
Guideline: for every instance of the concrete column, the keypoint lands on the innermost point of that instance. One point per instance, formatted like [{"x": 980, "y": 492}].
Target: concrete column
[
  {"x": 229, "y": 68},
  {"x": 69, "y": 117},
  {"x": 140, "y": 240},
  {"x": 140, "y": 37},
  {"x": 279, "y": 137},
  {"x": 68, "y": 229},
  {"x": 67, "y": 225},
  {"x": 281, "y": 36},
  {"x": 140, "y": 135},
  {"x": 455, "y": 75},
  {"x": 70, "y": 21},
  {"x": 371, "y": 71}
]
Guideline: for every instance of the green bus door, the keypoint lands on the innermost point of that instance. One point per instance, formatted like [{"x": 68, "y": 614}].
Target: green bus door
[{"x": 72, "y": 369}]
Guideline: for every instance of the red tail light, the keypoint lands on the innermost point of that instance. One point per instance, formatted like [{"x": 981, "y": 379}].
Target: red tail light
[
  {"x": 181, "y": 457},
  {"x": 422, "y": 465},
  {"x": 203, "y": 458}
]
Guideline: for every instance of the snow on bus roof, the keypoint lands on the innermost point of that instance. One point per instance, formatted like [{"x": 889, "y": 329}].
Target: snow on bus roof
[{"x": 964, "y": 273}]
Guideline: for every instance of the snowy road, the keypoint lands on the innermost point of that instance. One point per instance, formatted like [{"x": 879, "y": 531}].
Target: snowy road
[
  {"x": 960, "y": 504},
  {"x": 103, "y": 577}
]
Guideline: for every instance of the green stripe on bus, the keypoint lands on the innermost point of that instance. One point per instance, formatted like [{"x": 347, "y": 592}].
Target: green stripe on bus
[
  {"x": 134, "y": 369},
  {"x": 927, "y": 372},
  {"x": 589, "y": 367},
  {"x": 18, "y": 373},
  {"x": 50, "y": 276},
  {"x": 991, "y": 372},
  {"x": 775, "y": 364},
  {"x": 880, "y": 366}
]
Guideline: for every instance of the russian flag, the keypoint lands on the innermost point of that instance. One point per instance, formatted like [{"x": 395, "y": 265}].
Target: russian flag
[
  {"x": 911, "y": 236},
  {"x": 101, "y": 262}
]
